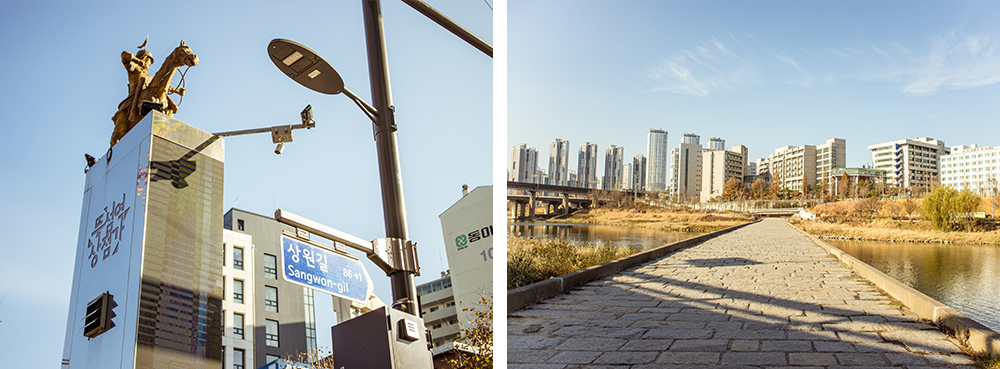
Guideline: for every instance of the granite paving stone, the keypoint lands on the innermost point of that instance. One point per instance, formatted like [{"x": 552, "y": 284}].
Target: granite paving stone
[
  {"x": 574, "y": 357},
  {"x": 696, "y": 358},
  {"x": 758, "y": 297}
]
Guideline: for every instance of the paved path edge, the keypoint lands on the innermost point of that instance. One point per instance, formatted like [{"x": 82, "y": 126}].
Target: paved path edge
[
  {"x": 527, "y": 295},
  {"x": 974, "y": 335}
]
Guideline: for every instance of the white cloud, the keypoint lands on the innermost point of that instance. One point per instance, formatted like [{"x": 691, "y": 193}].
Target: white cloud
[
  {"x": 707, "y": 68},
  {"x": 949, "y": 62},
  {"x": 955, "y": 62},
  {"x": 803, "y": 78}
]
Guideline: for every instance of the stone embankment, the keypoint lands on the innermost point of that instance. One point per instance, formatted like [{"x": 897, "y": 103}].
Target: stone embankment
[{"x": 760, "y": 296}]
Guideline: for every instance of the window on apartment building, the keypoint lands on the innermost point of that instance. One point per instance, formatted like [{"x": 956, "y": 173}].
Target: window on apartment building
[
  {"x": 271, "y": 299},
  {"x": 271, "y": 358},
  {"x": 239, "y": 224},
  {"x": 450, "y": 304},
  {"x": 237, "y": 291},
  {"x": 238, "y": 325},
  {"x": 238, "y": 258},
  {"x": 270, "y": 266},
  {"x": 433, "y": 309},
  {"x": 223, "y": 255},
  {"x": 238, "y": 357},
  {"x": 271, "y": 332},
  {"x": 436, "y": 326}
]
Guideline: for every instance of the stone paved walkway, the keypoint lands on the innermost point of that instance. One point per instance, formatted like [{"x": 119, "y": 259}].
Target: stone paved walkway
[{"x": 762, "y": 296}]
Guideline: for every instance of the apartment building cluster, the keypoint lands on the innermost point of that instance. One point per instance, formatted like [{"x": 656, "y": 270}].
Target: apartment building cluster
[
  {"x": 910, "y": 162},
  {"x": 806, "y": 165},
  {"x": 641, "y": 172},
  {"x": 972, "y": 168},
  {"x": 699, "y": 173},
  {"x": 921, "y": 162},
  {"x": 267, "y": 318}
]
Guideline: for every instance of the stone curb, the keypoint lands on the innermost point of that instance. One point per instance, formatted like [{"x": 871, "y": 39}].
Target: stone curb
[
  {"x": 975, "y": 335},
  {"x": 526, "y": 295}
]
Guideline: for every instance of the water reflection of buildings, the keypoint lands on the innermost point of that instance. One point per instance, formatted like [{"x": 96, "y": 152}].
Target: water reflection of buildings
[{"x": 640, "y": 238}]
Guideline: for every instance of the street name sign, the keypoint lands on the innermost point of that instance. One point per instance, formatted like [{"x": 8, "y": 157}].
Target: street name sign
[{"x": 310, "y": 265}]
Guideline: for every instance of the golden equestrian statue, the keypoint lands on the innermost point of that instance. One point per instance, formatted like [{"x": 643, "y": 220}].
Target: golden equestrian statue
[{"x": 149, "y": 91}]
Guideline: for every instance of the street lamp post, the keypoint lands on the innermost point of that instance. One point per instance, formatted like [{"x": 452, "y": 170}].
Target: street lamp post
[
  {"x": 310, "y": 70},
  {"x": 404, "y": 291}
]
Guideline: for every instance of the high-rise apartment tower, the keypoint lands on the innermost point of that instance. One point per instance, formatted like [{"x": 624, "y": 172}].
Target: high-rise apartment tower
[
  {"x": 559, "y": 163},
  {"x": 656, "y": 156},
  {"x": 586, "y": 166}
]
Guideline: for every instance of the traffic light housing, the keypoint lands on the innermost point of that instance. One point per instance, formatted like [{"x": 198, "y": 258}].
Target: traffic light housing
[{"x": 100, "y": 312}]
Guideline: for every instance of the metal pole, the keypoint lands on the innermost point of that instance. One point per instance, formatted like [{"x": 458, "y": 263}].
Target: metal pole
[
  {"x": 456, "y": 29},
  {"x": 404, "y": 292}
]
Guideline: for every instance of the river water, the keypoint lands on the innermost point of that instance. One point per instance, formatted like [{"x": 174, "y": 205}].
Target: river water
[
  {"x": 964, "y": 277},
  {"x": 641, "y": 238}
]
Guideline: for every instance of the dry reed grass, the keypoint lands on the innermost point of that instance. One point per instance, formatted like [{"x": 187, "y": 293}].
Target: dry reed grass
[
  {"x": 891, "y": 230},
  {"x": 663, "y": 220},
  {"x": 889, "y": 208},
  {"x": 532, "y": 260}
]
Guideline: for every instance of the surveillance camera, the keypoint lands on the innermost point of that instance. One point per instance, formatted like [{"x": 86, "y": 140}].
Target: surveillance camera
[
  {"x": 280, "y": 148},
  {"x": 307, "y": 114}
]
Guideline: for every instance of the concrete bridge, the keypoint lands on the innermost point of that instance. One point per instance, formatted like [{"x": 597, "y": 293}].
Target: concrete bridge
[
  {"x": 567, "y": 198},
  {"x": 771, "y": 213},
  {"x": 761, "y": 296},
  {"x": 524, "y": 205}
]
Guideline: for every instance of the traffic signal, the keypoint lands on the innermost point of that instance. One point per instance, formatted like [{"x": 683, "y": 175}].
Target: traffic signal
[{"x": 100, "y": 312}]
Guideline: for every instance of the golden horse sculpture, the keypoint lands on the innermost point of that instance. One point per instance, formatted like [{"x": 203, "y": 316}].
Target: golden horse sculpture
[{"x": 153, "y": 90}]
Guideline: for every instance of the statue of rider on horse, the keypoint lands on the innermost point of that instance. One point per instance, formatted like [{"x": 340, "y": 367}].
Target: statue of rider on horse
[{"x": 147, "y": 92}]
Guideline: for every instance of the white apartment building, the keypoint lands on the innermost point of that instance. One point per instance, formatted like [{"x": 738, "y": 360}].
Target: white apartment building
[
  {"x": 467, "y": 227},
  {"x": 523, "y": 164},
  {"x": 656, "y": 156},
  {"x": 795, "y": 166},
  {"x": 830, "y": 155},
  {"x": 911, "y": 163},
  {"x": 627, "y": 181},
  {"x": 751, "y": 169},
  {"x": 716, "y": 144},
  {"x": 718, "y": 166},
  {"x": 238, "y": 307},
  {"x": 559, "y": 163},
  {"x": 586, "y": 166},
  {"x": 614, "y": 158},
  {"x": 972, "y": 167},
  {"x": 686, "y": 170},
  {"x": 763, "y": 166},
  {"x": 691, "y": 138}
]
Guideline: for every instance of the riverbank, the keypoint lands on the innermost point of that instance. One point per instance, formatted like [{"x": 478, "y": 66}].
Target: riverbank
[
  {"x": 531, "y": 260},
  {"x": 892, "y": 231},
  {"x": 657, "y": 219}
]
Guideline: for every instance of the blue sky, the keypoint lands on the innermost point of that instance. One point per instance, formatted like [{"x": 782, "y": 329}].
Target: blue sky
[
  {"x": 62, "y": 80},
  {"x": 760, "y": 74}
]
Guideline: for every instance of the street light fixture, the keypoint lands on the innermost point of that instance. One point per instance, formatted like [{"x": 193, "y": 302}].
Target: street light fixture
[
  {"x": 306, "y": 67},
  {"x": 309, "y": 69}
]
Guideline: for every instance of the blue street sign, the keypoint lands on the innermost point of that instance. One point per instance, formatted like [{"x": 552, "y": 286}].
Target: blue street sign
[{"x": 315, "y": 267}]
